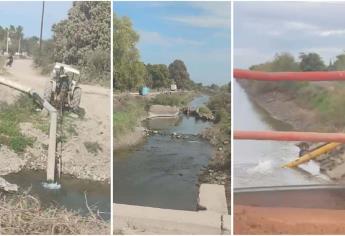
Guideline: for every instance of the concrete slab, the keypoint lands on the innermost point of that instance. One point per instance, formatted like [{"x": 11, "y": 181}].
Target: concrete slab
[
  {"x": 226, "y": 224},
  {"x": 212, "y": 196},
  {"x": 147, "y": 220}
]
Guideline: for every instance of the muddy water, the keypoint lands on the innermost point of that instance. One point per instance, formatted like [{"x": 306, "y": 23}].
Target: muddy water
[
  {"x": 258, "y": 163},
  {"x": 163, "y": 172},
  {"x": 70, "y": 196}
]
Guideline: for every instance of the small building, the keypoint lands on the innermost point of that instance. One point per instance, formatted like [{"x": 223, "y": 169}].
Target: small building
[
  {"x": 143, "y": 90},
  {"x": 173, "y": 87}
]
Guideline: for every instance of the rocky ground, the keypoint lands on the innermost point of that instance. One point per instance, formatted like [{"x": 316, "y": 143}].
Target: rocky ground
[
  {"x": 218, "y": 170},
  {"x": 86, "y": 150}
]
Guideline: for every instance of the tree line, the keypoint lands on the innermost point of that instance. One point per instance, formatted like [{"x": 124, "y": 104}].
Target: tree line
[
  {"x": 17, "y": 43},
  {"x": 130, "y": 72},
  {"x": 81, "y": 40},
  {"x": 308, "y": 62}
]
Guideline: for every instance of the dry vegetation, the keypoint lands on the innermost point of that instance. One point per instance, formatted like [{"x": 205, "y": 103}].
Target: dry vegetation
[{"x": 23, "y": 214}]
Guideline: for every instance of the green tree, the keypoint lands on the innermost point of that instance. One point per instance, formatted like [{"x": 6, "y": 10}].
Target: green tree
[
  {"x": 158, "y": 76},
  {"x": 84, "y": 37},
  {"x": 129, "y": 71},
  {"x": 179, "y": 73},
  {"x": 311, "y": 62},
  {"x": 339, "y": 63},
  {"x": 281, "y": 62}
]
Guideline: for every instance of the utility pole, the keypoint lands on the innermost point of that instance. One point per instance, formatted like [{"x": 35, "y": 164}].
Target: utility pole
[
  {"x": 19, "y": 45},
  {"x": 41, "y": 26},
  {"x": 7, "y": 41}
]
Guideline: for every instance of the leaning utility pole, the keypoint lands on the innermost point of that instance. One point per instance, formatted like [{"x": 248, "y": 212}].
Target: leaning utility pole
[{"x": 41, "y": 26}]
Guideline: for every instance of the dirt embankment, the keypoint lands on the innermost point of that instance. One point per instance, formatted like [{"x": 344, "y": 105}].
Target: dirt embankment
[
  {"x": 86, "y": 150},
  {"x": 283, "y": 107},
  {"x": 133, "y": 137},
  {"x": 266, "y": 220}
]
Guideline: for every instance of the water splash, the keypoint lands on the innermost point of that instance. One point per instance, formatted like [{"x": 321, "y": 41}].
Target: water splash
[
  {"x": 263, "y": 167},
  {"x": 52, "y": 186}
]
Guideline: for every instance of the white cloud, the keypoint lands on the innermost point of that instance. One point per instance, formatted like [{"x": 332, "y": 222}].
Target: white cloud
[
  {"x": 156, "y": 38},
  {"x": 213, "y": 15}
]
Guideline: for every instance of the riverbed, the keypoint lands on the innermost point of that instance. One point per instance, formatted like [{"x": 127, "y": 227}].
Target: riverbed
[
  {"x": 258, "y": 163},
  {"x": 163, "y": 171}
]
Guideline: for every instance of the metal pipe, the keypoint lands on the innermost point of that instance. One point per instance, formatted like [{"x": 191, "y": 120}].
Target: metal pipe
[
  {"x": 290, "y": 136},
  {"x": 312, "y": 155},
  {"x": 290, "y": 76},
  {"x": 53, "y": 123}
]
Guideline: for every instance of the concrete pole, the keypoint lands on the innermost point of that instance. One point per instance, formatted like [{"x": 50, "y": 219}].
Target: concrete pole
[
  {"x": 51, "y": 161},
  {"x": 53, "y": 124},
  {"x": 7, "y": 41},
  {"x": 42, "y": 18},
  {"x": 19, "y": 45}
]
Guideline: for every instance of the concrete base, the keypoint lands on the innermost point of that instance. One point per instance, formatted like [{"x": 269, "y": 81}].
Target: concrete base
[
  {"x": 130, "y": 219},
  {"x": 148, "y": 220},
  {"x": 212, "y": 196}
]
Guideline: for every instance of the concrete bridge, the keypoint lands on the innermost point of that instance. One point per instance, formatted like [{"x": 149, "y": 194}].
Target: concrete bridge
[{"x": 129, "y": 219}]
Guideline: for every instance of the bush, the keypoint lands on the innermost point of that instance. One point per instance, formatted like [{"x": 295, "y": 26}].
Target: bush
[
  {"x": 10, "y": 118},
  {"x": 97, "y": 67},
  {"x": 126, "y": 119},
  {"x": 172, "y": 99}
]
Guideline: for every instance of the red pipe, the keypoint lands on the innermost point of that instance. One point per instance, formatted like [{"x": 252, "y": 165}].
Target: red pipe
[
  {"x": 290, "y": 76},
  {"x": 290, "y": 136}
]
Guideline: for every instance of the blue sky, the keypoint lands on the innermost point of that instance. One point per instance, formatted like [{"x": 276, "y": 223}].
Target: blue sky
[
  {"x": 196, "y": 32},
  {"x": 28, "y": 15},
  {"x": 262, "y": 29}
]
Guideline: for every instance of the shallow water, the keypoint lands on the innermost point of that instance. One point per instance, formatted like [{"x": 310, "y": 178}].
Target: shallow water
[
  {"x": 163, "y": 172},
  {"x": 71, "y": 195}
]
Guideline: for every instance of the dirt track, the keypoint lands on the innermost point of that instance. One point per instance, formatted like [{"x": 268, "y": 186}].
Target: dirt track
[
  {"x": 94, "y": 128},
  {"x": 266, "y": 220}
]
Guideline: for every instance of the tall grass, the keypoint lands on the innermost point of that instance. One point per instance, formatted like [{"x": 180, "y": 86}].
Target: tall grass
[
  {"x": 127, "y": 118},
  {"x": 174, "y": 99},
  {"x": 329, "y": 104}
]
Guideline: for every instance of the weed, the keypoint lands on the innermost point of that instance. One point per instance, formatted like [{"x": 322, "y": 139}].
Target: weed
[{"x": 92, "y": 147}]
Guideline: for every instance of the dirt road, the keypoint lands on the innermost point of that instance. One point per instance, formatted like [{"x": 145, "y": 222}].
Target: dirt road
[{"x": 94, "y": 130}]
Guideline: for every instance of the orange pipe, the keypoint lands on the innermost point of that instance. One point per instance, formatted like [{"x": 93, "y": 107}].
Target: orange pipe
[
  {"x": 290, "y": 76},
  {"x": 290, "y": 136}
]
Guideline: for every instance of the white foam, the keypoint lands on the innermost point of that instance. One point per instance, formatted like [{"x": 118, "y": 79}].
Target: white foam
[
  {"x": 53, "y": 186},
  {"x": 263, "y": 167}
]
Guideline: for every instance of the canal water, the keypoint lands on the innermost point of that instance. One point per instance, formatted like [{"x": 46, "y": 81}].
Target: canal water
[
  {"x": 163, "y": 172},
  {"x": 258, "y": 163},
  {"x": 71, "y": 195}
]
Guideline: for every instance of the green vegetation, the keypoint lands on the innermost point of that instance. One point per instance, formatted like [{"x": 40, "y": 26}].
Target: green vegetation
[
  {"x": 92, "y": 147},
  {"x": 328, "y": 103},
  {"x": 82, "y": 40},
  {"x": 220, "y": 104},
  {"x": 127, "y": 116},
  {"x": 10, "y": 118},
  {"x": 174, "y": 99},
  {"x": 130, "y": 72},
  {"x": 204, "y": 110}
]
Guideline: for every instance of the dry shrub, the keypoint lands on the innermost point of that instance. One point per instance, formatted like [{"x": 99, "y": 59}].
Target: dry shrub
[{"x": 23, "y": 214}]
